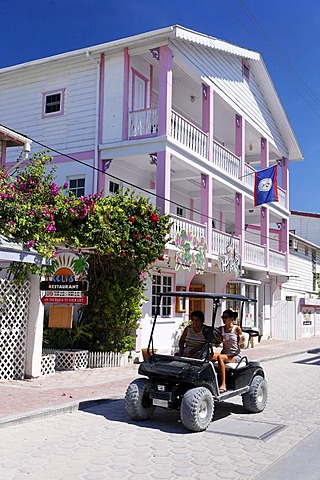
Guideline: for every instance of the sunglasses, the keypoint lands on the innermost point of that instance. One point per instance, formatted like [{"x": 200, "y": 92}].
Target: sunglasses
[{"x": 224, "y": 317}]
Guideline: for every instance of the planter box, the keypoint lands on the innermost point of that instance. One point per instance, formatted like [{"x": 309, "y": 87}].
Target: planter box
[
  {"x": 48, "y": 364},
  {"x": 70, "y": 359}
]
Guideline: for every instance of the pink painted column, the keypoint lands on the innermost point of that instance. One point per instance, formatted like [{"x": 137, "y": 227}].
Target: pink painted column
[
  {"x": 191, "y": 203},
  {"x": 264, "y": 211},
  {"x": 285, "y": 178},
  {"x": 125, "y": 111},
  {"x": 101, "y": 174},
  {"x": 3, "y": 153},
  {"x": 165, "y": 90},
  {"x": 206, "y": 207},
  {"x": 240, "y": 221},
  {"x": 163, "y": 181},
  {"x": 239, "y": 198},
  {"x": 206, "y": 180}
]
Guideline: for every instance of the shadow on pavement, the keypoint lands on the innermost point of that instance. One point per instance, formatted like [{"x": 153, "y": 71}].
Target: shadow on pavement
[
  {"x": 167, "y": 421},
  {"x": 314, "y": 360}
]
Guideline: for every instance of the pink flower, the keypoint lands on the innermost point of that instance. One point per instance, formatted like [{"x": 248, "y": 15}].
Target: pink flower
[
  {"x": 32, "y": 212},
  {"x": 30, "y": 244},
  {"x": 154, "y": 217},
  {"x": 132, "y": 219},
  {"x": 137, "y": 235}
]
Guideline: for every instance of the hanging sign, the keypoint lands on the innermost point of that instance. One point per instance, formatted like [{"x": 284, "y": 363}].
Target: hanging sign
[
  {"x": 67, "y": 284},
  {"x": 230, "y": 261}
]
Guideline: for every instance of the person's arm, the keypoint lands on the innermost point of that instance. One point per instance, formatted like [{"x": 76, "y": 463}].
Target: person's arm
[
  {"x": 182, "y": 340},
  {"x": 218, "y": 344}
]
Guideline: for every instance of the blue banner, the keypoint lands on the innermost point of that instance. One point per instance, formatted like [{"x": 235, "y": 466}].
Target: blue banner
[{"x": 266, "y": 186}]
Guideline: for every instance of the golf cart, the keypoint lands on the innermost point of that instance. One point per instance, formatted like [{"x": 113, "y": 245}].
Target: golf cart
[{"x": 191, "y": 385}]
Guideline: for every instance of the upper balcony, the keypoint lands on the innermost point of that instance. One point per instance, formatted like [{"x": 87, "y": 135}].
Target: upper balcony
[{"x": 144, "y": 123}]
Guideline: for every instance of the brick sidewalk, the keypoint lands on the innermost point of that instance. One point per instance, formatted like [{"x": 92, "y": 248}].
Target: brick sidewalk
[{"x": 64, "y": 391}]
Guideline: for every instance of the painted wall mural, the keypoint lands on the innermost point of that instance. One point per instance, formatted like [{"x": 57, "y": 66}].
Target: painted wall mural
[{"x": 192, "y": 252}]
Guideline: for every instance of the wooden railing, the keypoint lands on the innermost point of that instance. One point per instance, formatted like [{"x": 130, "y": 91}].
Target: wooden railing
[
  {"x": 277, "y": 261},
  {"x": 196, "y": 229},
  {"x": 226, "y": 160},
  {"x": 143, "y": 122},
  {"x": 254, "y": 254},
  {"x": 221, "y": 240},
  {"x": 189, "y": 135}
]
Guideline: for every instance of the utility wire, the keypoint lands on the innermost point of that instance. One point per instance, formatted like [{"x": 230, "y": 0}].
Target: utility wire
[
  {"x": 139, "y": 188},
  {"x": 284, "y": 59}
]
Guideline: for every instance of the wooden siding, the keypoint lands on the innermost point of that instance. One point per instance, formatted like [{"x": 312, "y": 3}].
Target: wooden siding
[
  {"x": 300, "y": 271},
  {"x": 306, "y": 227},
  {"x": 21, "y": 104},
  {"x": 113, "y": 98},
  {"x": 225, "y": 71}
]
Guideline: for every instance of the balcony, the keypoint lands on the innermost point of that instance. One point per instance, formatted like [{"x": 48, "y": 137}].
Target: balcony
[
  {"x": 196, "y": 234},
  {"x": 144, "y": 123}
]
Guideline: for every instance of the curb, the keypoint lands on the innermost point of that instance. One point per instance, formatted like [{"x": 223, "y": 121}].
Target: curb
[{"x": 54, "y": 411}]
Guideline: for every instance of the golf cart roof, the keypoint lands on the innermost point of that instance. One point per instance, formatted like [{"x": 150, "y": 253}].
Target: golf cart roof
[{"x": 213, "y": 296}]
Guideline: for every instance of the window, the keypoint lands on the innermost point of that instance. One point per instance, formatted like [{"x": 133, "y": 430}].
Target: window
[
  {"x": 161, "y": 284},
  {"x": 180, "y": 212},
  {"x": 139, "y": 91},
  {"x": 306, "y": 251},
  {"x": 246, "y": 71},
  {"x": 77, "y": 186},
  {"x": 113, "y": 187},
  {"x": 53, "y": 103}
]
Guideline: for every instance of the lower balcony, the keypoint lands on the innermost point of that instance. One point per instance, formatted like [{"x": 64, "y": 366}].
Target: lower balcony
[{"x": 224, "y": 245}]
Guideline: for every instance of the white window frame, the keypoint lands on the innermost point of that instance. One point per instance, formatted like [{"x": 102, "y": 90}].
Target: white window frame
[
  {"x": 139, "y": 80},
  {"x": 246, "y": 71},
  {"x": 45, "y": 96},
  {"x": 111, "y": 184},
  {"x": 74, "y": 190},
  {"x": 162, "y": 282}
]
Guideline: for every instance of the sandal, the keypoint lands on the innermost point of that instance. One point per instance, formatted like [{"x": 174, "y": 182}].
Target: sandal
[{"x": 222, "y": 390}]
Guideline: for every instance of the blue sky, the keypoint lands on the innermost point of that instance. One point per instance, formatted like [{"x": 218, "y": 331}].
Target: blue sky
[{"x": 286, "y": 33}]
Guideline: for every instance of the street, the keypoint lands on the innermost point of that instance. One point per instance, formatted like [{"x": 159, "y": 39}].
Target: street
[{"x": 100, "y": 442}]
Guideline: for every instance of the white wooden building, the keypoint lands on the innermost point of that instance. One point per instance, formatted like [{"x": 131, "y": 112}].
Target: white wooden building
[
  {"x": 187, "y": 119},
  {"x": 306, "y": 225},
  {"x": 296, "y": 303}
]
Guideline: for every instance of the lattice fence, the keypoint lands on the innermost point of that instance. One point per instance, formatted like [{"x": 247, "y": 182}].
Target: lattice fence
[
  {"x": 14, "y": 307},
  {"x": 69, "y": 359},
  {"x": 48, "y": 365}
]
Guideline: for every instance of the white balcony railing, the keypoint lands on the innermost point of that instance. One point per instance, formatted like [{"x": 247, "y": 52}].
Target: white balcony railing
[
  {"x": 195, "y": 229},
  {"x": 277, "y": 261},
  {"x": 221, "y": 240},
  {"x": 226, "y": 160},
  {"x": 143, "y": 122},
  {"x": 254, "y": 254},
  {"x": 189, "y": 135},
  {"x": 248, "y": 177}
]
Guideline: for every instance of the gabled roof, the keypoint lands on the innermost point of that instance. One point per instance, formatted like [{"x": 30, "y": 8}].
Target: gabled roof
[{"x": 162, "y": 36}]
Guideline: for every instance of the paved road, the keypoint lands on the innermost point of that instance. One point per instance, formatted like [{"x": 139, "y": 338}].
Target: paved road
[{"x": 99, "y": 442}]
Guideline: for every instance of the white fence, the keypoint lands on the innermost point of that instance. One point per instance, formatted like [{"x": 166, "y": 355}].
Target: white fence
[{"x": 14, "y": 308}]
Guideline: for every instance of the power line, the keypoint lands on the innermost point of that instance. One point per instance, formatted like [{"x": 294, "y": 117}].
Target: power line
[
  {"x": 315, "y": 99},
  {"x": 139, "y": 188}
]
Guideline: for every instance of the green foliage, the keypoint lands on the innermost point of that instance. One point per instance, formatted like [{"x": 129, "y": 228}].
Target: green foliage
[
  {"x": 125, "y": 231},
  {"x": 115, "y": 295}
]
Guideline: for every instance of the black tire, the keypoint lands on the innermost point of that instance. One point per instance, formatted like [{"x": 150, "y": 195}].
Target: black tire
[
  {"x": 255, "y": 400},
  {"x": 197, "y": 408},
  {"x": 137, "y": 401}
]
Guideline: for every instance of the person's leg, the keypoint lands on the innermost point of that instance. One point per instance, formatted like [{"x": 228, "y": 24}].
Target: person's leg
[{"x": 222, "y": 360}]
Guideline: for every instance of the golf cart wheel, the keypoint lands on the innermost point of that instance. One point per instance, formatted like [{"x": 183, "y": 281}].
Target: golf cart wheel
[
  {"x": 137, "y": 401},
  {"x": 197, "y": 408},
  {"x": 255, "y": 400}
]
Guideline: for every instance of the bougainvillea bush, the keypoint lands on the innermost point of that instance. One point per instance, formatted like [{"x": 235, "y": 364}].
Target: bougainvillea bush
[{"x": 124, "y": 232}]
